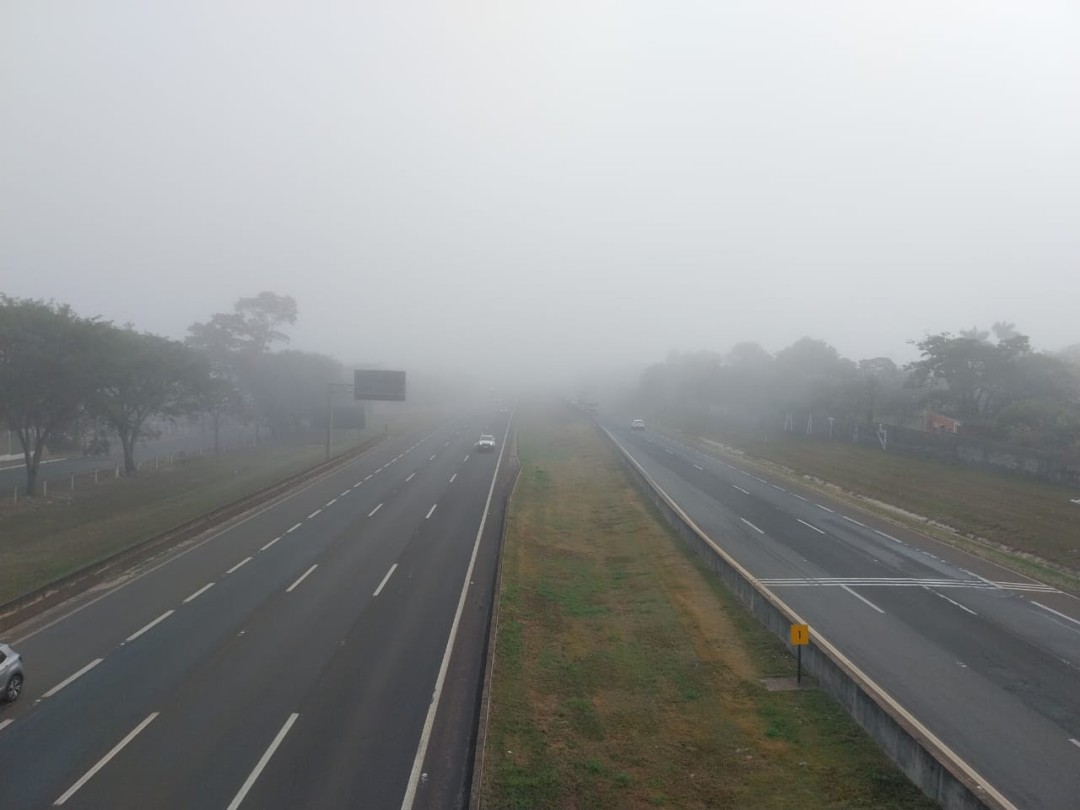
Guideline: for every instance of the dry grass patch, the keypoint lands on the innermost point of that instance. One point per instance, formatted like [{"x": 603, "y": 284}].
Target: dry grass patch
[{"x": 626, "y": 677}]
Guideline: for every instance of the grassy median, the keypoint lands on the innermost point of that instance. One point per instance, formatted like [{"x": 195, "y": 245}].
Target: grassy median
[{"x": 627, "y": 677}]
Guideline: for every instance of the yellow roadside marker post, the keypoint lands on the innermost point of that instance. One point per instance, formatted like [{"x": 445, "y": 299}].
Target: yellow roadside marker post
[{"x": 800, "y": 637}]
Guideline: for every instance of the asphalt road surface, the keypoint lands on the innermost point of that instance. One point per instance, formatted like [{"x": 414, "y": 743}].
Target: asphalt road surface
[
  {"x": 290, "y": 660},
  {"x": 987, "y": 659}
]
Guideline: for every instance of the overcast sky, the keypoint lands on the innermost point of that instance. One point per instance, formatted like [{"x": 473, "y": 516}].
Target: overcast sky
[{"x": 555, "y": 184}]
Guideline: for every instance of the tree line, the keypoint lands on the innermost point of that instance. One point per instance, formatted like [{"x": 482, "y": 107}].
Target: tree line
[
  {"x": 993, "y": 381},
  {"x": 68, "y": 380}
]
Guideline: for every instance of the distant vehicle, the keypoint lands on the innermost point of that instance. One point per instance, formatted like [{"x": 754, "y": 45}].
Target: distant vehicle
[
  {"x": 11, "y": 674},
  {"x": 504, "y": 409},
  {"x": 637, "y": 424},
  {"x": 486, "y": 443}
]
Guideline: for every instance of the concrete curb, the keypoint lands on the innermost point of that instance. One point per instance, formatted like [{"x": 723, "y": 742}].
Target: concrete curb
[
  {"x": 41, "y": 599},
  {"x": 927, "y": 761},
  {"x": 484, "y": 709}
]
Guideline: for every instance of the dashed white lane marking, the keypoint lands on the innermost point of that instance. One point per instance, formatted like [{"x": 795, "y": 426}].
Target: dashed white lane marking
[
  {"x": 410, "y": 478},
  {"x": 150, "y": 626},
  {"x": 774, "y": 486},
  {"x": 385, "y": 579},
  {"x": 951, "y": 601},
  {"x": 4, "y": 724},
  {"x": 810, "y": 525},
  {"x": 1055, "y": 612},
  {"x": 263, "y": 760},
  {"x": 466, "y": 459},
  {"x": 432, "y": 457},
  {"x": 743, "y": 491},
  {"x": 294, "y": 528},
  {"x": 1071, "y": 739},
  {"x": 827, "y": 509},
  {"x": 199, "y": 592},
  {"x": 669, "y": 450},
  {"x": 862, "y": 599},
  {"x": 330, "y": 502},
  {"x": 343, "y": 494},
  {"x": 301, "y": 578},
  {"x": 264, "y": 548},
  {"x": 762, "y": 480},
  {"x": 71, "y": 678},
  {"x": 240, "y": 564},
  {"x": 888, "y": 536},
  {"x": 373, "y": 511},
  {"x": 86, "y": 777},
  {"x": 696, "y": 467},
  {"x": 313, "y": 514},
  {"x": 379, "y": 470},
  {"x": 446, "y": 444},
  {"x": 853, "y": 520},
  {"x": 368, "y": 477},
  {"x": 430, "y": 511},
  {"x": 751, "y": 525},
  {"x": 800, "y": 497},
  {"x": 452, "y": 477}
]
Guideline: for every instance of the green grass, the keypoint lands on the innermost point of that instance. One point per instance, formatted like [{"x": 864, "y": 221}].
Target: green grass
[
  {"x": 626, "y": 676},
  {"x": 1024, "y": 520},
  {"x": 44, "y": 539}
]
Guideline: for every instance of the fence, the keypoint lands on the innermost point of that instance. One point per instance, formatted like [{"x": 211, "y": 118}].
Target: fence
[{"x": 90, "y": 477}]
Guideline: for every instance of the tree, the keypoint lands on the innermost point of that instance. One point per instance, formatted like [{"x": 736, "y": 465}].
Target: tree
[
  {"x": 145, "y": 375},
  {"x": 218, "y": 398},
  {"x": 235, "y": 341},
  {"x": 50, "y": 362}
]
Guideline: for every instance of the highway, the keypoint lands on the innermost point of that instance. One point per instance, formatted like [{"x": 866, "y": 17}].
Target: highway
[
  {"x": 288, "y": 660},
  {"x": 987, "y": 659}
]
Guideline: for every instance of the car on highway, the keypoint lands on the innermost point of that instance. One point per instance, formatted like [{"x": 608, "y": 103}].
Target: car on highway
[
  {"x": 486, "y": 444},
  {"x": 637, "y": 424},
  {"x": 11, "y": 674}
]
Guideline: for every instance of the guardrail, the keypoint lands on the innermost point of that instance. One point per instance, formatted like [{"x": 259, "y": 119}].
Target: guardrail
[
  {"x": 937, "y": 770},
  {"x": 29, "y": 604}
]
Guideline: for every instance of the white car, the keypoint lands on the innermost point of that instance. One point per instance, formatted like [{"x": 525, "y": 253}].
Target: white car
[
  {"x": 637, "y": 424},
  {"x": 486, "y": 443}
]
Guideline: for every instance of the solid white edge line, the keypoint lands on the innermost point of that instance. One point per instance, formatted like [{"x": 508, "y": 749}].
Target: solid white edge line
[
  {"x": 862, "y": 598},
  {"x": 810, "y": 525},
  {"x": 452, "y": 477},
  {"x": 373, "y": 511},
  {"x": 303, "y": 576},
  {"x": 433, "y": 707},
  {"x": 385, "y": 579},
  {"x": 313, "y": 514},
  {"x": 878, "y": 691},
  {"x": 430, "y": 511},
  {"x": 150, "y": 626},
  {"x": 950, "y": 601},
  {"x": 264, "y": 548},
  {"x": 86, "y": 777},
  {"x": 263, "y": 760},
  {"x": 410, "y": 477},
  {"x": 1056, "y": 613},
  {"x": 294, "y": 528},
  {"x": 751, "y": 525},
  {"x": 5, "y": 723},
  {"x": 199, "y": 592},
  {"x": 888, "y": 536},
  {"x": 239, "y": 565},
  {"x": 72, "y": 678}
]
